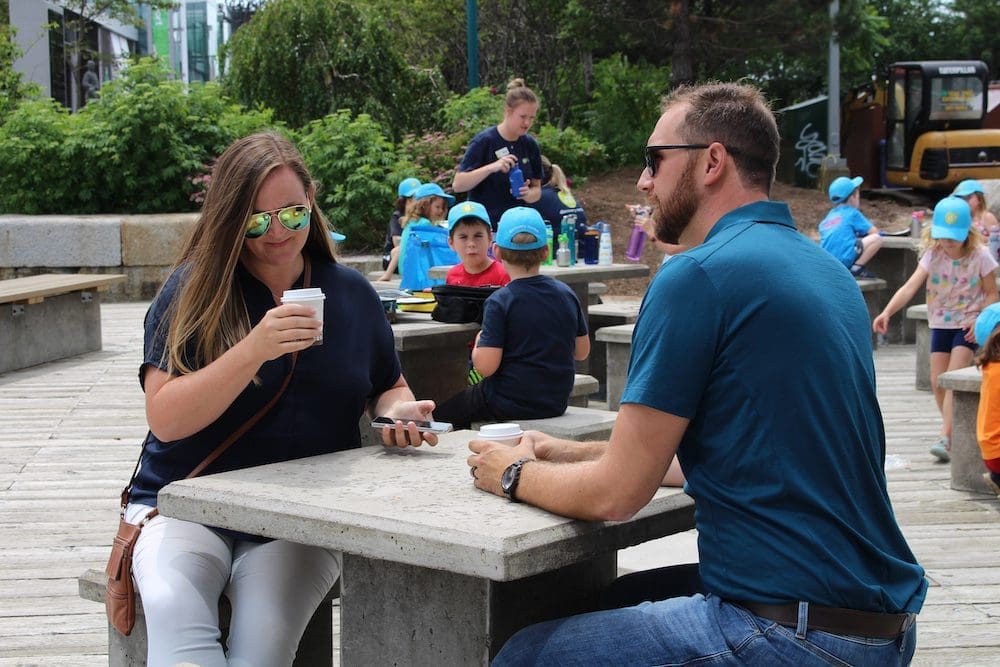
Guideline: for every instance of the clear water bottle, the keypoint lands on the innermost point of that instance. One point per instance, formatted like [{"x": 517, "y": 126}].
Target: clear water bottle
[
  {"x": 562, "y": 254},
  {"x": 516, "y": 178},
  {"x": 604, "y": 255}
]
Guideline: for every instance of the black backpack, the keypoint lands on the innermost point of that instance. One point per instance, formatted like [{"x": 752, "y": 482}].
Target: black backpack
[{"x": 459, "y": 303}]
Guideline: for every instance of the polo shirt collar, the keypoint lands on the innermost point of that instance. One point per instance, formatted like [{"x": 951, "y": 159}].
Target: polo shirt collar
[{"x": 760, "y": 211}]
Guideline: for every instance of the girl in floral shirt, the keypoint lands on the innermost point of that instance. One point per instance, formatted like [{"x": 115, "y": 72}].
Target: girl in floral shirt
[{"x": 959, "y": 273}]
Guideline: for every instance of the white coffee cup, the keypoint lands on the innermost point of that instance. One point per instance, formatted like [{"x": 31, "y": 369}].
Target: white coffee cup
[
  {"x": 507, "y": 433},
  {"x": 310, "y": 296}
]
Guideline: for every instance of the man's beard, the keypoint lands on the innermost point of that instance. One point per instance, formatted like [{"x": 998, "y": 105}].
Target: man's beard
[{"x": 671, "y": 217}]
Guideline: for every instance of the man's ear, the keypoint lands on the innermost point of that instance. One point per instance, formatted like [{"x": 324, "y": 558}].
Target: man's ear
[{"x": 715, "y": 163}]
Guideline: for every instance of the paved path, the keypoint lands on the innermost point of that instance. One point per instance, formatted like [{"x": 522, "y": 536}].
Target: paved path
[{"x": 70, "y": 431}]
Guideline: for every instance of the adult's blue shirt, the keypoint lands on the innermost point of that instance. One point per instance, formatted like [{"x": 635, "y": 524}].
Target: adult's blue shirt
[
  {"x": 493, "y": 192},
  {"x": 320, "y": 409},
  {"x": 762, "y": 341}
]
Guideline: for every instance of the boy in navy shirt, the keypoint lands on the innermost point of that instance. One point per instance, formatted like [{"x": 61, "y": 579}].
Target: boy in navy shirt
[
  {"x": 533, "y": 330},
  {"x": 845, "y": 232}
]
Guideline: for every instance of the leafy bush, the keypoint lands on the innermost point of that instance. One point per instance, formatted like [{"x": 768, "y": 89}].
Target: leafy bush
[
  {"x": 625, "y": 106},
  {"x": 355, "y": 165},
  {"x": 573, "y": 151},
  {"x": 36, "y": 175},
  {"x": 472, "y": 112},
  {"x": 134, "y": 149}
]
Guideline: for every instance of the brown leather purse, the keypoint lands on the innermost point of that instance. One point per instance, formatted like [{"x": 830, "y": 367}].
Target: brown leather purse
[{"x": 119, "y": 596}]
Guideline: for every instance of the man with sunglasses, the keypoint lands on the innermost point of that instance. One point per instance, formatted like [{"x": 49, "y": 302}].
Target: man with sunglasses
[{"x": 751, "y": 361}]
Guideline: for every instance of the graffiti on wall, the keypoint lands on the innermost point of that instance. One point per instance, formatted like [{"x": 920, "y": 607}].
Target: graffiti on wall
[{"x": 810, "y": 150}]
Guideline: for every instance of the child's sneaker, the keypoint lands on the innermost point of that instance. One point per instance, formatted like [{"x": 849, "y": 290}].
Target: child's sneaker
[
  {"x": 993, "y": 481},
  {"x": 941, "y": 449}
]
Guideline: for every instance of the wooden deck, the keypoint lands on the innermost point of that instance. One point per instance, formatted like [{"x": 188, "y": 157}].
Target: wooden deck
[{"x": 70, "y": 431}]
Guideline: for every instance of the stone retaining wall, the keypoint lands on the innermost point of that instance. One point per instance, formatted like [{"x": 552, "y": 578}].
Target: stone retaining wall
[{"x": 143, "y": 247}]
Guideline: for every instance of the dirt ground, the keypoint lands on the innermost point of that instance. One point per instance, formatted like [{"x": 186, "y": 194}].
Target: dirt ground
[{"x": 604, "y": 197}]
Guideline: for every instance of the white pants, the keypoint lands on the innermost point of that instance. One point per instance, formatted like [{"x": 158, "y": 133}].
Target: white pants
[{"x": 181, "y": 569}]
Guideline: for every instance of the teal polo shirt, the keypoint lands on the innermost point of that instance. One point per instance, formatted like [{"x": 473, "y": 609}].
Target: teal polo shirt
[{"x": 762, "y": 340}]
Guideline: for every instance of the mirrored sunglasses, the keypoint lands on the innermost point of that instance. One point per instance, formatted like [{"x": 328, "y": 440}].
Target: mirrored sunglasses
[{"x": 292, "y": 218}]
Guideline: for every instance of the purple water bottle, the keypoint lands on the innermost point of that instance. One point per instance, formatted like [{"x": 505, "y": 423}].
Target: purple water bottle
[
  {"x": 516, "y": 181},
  {"x": 636, "y": 241}
]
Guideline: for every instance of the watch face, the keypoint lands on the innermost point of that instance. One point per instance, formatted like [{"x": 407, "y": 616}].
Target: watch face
[{"x": 507, "y": 479}]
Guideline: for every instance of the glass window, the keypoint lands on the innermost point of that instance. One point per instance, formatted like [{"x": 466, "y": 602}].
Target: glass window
[{"x": 956, "y": 98}]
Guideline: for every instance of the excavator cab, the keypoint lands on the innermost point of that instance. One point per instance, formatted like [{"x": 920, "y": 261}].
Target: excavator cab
[{"x": 934, "y": 125}]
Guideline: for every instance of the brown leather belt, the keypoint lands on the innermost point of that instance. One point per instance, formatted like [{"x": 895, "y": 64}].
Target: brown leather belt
[{"x": 833, "y": 619}]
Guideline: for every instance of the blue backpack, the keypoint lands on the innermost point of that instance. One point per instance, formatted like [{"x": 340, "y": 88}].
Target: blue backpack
[{"x": 424, "y": 246}]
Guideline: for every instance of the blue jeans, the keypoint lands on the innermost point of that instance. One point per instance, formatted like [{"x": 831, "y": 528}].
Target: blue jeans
[{"x": 698, "y": 630}]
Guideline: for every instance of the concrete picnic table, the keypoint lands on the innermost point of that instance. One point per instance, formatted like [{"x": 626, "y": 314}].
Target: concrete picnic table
[
  {"x": 435, "y": 570},
  {"x": 434, "y": 355}
]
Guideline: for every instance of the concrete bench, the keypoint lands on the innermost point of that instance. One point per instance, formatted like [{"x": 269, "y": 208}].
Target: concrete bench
[
  {"x": 966, "y": 459},
  {"x": 579, "y": 424},
  {"x": 617, "y": 341},
  {"x": 315, "y": 647},
  {"x": 603, "y": 315},
  {"x": 584, "y": 386},
  {"x": 50, "y": 316},
  {"x": 918, "y": 315},
  {"x": 895, "y": 262},
  {"x": 595, "y": 291}
]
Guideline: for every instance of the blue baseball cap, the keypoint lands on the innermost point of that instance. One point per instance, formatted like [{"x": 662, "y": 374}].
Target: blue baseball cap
[
  {"x": 842, "y": 187},
  {"x": 968, "y": 187},
  {"x": 521, "y": 219},
  {"x": 433, "y": 190},
  {"x": 468, "y": 209},
  {"x": 408, "y": 186},
  {"x": 987, "y": 322},
  {"x": 952, "y": 219}
]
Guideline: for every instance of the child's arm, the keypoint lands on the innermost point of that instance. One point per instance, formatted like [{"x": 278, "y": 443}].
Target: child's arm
[
  {"x": 486, "y": 360},
  {"x": 582, "y": 350},
  {"x": 902, "y": 297}
]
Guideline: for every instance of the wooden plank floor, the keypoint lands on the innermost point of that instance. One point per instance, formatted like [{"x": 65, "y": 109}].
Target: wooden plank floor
[{"x": 70, "y": 431}]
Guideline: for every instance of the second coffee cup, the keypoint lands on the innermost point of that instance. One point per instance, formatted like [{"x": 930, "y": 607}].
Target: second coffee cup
[{"x": 507, "y": 433}]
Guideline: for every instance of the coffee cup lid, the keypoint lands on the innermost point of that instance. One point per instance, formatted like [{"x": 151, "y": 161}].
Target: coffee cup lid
[
  {"x": 501, "y": 431},
  {"x": 305, "y": 294}
]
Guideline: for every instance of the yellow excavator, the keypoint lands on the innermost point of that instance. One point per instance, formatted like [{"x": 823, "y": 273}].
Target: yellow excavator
[{"x": 932, "y": 134}]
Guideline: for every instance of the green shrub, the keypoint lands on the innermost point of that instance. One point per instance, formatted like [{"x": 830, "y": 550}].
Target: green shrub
[
  {"x": 472, "y": 112},
  {"x": 625, "y": 106},
  {"x": 36, "y": 175},
  {"x": 573, "y": 151},
  {"x": 355, "y": 165}
]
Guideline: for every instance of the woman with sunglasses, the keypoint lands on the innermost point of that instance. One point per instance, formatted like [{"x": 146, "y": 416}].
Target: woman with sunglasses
[
  {"x": 218, "y": 347},
  {"x": 492, "y": 154}
]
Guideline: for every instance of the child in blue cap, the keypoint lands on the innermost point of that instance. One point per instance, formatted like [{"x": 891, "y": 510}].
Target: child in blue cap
[
  {"x": 973, "y": 193},
  {"x": 988, "y": 417},
  {"x": 960, "y": 278},
  {"x": 390, "y": 251},
  {"x": 845, "y": 232},
  {"x": 533, "y": 331},
  {"x": 470, "y": 234}
]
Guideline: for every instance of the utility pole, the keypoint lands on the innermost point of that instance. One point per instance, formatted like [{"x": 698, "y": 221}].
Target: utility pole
[
  {"x": 833, "y": 164},
  {"x": 472, "y": 41}
]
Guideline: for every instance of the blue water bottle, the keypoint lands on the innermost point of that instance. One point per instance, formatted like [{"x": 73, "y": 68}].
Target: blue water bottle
[{"x": 516, "y": 181}]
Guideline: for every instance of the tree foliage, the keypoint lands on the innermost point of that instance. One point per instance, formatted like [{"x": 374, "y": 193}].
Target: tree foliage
[{"x": 307, "y": 58}]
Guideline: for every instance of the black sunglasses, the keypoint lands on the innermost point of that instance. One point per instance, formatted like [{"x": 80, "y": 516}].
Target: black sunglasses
[{"x": 651, "y": 152}]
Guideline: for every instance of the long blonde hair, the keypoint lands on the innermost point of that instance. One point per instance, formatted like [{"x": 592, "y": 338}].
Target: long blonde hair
[
  {"x": 973, "y": 240},
  {"x": 419, "y": 208},
  {"x": 209, "y": 309}
]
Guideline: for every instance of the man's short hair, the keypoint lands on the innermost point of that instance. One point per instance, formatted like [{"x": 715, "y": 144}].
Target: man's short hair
[{"x": 738, "y": 116}]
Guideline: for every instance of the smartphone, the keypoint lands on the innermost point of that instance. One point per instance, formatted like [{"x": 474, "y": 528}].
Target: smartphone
[{"x": 433, "y": 427}]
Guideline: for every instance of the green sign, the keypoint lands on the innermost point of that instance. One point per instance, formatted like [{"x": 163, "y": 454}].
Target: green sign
[{"x": 161, "y": 32}]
